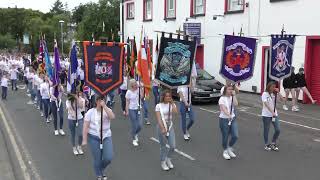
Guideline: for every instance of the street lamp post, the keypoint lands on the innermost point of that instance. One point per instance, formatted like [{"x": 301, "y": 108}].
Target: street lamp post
[{"x": 61, "y": 23}]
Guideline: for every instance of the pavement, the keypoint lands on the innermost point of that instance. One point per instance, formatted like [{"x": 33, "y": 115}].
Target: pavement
[
  {"x": 6, "y": 171},
  {"x": 48, "y": 157}
]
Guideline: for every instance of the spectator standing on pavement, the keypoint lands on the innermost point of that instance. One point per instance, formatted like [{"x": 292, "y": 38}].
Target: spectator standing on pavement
[
  {"x": 4, "y": 86},
  {"x": 270, "y": 115},
  {"x": 228, "y": 121},
  {"x": 74, "y": 104},
  {"x": 13, "y": 77},
  {"x": 186, "y": 109},
  {"x": 302, "y": 85},
  {"x": 57, "y": 108},
  {"x": 289, "y": 84},
  {"x": 91, "y": 135},
  {"x": 133, "y": 108},
  {"x": 164, "y": 114},
  {"x": 45, "y": 94}
]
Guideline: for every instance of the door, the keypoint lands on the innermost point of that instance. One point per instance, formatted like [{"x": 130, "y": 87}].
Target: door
[
  {"x": 314, "y": 71},
  {"x": 199, "y": 56}
]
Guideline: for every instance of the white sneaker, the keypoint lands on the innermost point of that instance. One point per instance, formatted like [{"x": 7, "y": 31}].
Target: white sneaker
[
  {"x": 41, "y": 114},
  {"x": 75, "y": 151},
  {"x": 226, "y": 155},
  {"x": 80, "y": 150},
  {"x": 164, "y": 166},
  {"x": 188, "y": 134},
  {"x": 285, "y": 107},
  {"x": 29, "y": 102},
  {"x": 62, "y": 132},
  {"x": 56, "y": 133},
  {"x": 38, "y": 107},
  {"x": 136, "y": 138},
  {"x": 294, "y": 109},
  {"x": 48, "y": 121},
  {"x": 135, "y": 143},
  {"x": 50, "y": 118},
  {"x": 29, "y": 95},
  {"x": 169, "y": 163},
  {"x": 186, "y": 137},
  {"x": 231, "y": 153},
  {"x": 104, "y": 178}
]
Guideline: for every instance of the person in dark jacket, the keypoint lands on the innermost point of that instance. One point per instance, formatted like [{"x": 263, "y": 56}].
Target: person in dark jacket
[
  {"x": 289, "y": 85},
  {"x": 301, "y": 85}
]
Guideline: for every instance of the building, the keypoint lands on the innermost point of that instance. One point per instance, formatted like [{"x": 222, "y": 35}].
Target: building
[{"x": 257, "y": 18}]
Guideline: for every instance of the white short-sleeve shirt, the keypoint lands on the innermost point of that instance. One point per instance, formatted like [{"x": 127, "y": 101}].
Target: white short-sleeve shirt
[
  {"x": 44, "y": 90},
  {"x": 226, "y": 101},
  {"x": 72, "y": 112},
  {"x": 133, "y": 97},
  {"x": 270, "y": 100},
  {"x": 164, "y": 111},
  {"x": 184, "y": 90},
  {"x": 94, "y": 118}
]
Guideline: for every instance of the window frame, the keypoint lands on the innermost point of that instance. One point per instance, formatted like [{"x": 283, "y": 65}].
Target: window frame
[
  {"x": 193, "y": 8},
  {"x": 227, "y": 11},
  {"x": 145, "y": 10},
  {"x": 130, "y": 4},
  {"x": 166, "y": 9}
]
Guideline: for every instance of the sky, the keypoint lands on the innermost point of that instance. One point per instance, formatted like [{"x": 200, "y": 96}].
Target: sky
[{"x": 41, "y": 5}]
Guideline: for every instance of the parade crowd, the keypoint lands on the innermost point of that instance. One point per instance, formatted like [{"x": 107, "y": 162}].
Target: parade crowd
[{"x": 85, "y": 109}]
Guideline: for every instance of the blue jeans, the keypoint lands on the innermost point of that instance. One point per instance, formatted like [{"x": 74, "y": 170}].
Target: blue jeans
[
  {"x": 145, "y": 109},
  {"x": 227, "y": 130},
  {"x": 136, "y": 122},
  {"x": 184, "y": 111},
  {"x": 4, "y": 92},
  {"x": 164, "y": 151},
  {"x": 31, "y": 91},
  {"x": 123, "y": 99},
  {"x": 39, "y": 100},
  {"x": 14, "y": 84},
  {"x": 46, "y": 104},
  {"x": 55, "y": 112},
  {"x": 100, "y": 161},
  {"x": 155, "y": 90},
  {"x": 74, "y": 130},
  {"x": 266, "y": 126}
]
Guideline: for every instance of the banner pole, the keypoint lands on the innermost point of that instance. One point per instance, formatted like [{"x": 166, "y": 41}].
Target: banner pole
[{"x": 101, "y": 133}]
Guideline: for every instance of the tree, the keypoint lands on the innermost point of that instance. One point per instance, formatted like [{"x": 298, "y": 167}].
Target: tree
[
  {"x": 7, "y": 41},
  {"x": 57, "y": 8}
]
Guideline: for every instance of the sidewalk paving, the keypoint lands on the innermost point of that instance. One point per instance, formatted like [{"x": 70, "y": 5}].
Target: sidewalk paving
[{"x": 6, "y": 170}]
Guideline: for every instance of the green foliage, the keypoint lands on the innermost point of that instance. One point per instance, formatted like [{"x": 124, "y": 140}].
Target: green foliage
[{"x": 7, "y": 41}]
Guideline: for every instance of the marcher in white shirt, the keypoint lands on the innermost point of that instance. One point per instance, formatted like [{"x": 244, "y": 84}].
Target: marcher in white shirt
[
  {"x": 57, "y": 108},
  {"x": 30, "y": 77},
  {"x": 13, "y": 77},
  {"x": 270, "y": 115},
  {"x": 92, "y": 135},
  {"x": 227, "y": 121},
  {"x": 123, "y": 91},
  {"x": 186, "y": 108},
  {"x": 74, "y": 104},
  {"x": 4, "y": 86},
  {"x": 45, "y": 94},
  {"x": 164, "y": 114}
]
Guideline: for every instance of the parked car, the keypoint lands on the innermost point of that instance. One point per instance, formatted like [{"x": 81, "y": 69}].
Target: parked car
[{"x": 207, "y": 88}]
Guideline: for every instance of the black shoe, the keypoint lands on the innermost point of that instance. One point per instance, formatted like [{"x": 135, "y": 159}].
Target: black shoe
[
  {"x": 267, "y": 147},
  {"x": 274, "y": 147}
]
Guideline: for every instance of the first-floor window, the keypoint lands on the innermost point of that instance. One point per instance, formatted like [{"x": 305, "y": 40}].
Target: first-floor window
[
  {"x": 130, "y": 10},
  {"x": 198, "y": 6},
  {"x": 235, "y": 5},
  {"x": 171, "y": 10},
  {"x": 147, "y": 9}
]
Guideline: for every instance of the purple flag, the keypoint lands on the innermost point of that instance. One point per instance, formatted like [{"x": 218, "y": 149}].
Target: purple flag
[
  {"x": 238, "y": 58},
  {"x": 57, "y": 69}
]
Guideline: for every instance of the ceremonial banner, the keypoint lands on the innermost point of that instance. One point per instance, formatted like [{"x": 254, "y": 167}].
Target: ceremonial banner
[
  {"x": 175, "y": 61},
  {"x": 281, "y": 51},
  {"x": 103, "y": 65},
  {"x": 72, "y": 72},
  {"x": 238, "y": 58}
]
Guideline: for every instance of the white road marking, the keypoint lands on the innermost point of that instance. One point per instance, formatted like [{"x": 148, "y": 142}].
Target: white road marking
[
  {"x": 176, "y": 150},
  {"x": 287, "y": 122},
  {"x": 214, "y": 112},
  {"x": 18, "y": 153},
  {"x": 316, "y": 140}
]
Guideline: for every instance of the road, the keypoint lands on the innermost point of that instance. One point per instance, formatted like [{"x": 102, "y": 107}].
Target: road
[{"x": 50, "y": 157}]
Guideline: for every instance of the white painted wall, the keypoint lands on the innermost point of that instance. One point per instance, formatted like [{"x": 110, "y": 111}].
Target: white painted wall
[{"x": 261, "y": 18}]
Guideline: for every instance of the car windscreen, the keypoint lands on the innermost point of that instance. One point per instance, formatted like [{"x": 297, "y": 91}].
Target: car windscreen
[{"x": 203, "y": 75}]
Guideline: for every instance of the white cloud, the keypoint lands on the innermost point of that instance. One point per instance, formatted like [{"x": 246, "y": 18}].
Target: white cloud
[{"x": 41, "y": 5}]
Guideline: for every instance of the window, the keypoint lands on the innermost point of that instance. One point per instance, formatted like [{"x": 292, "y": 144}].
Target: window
[
  {"x": 234, "y": 6},
  {"x": 198, "y": 7},
  {"x": 130, "y": 10},
  {"x": 170, "y": 9},
  {"x": 147, "y": 6}
]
